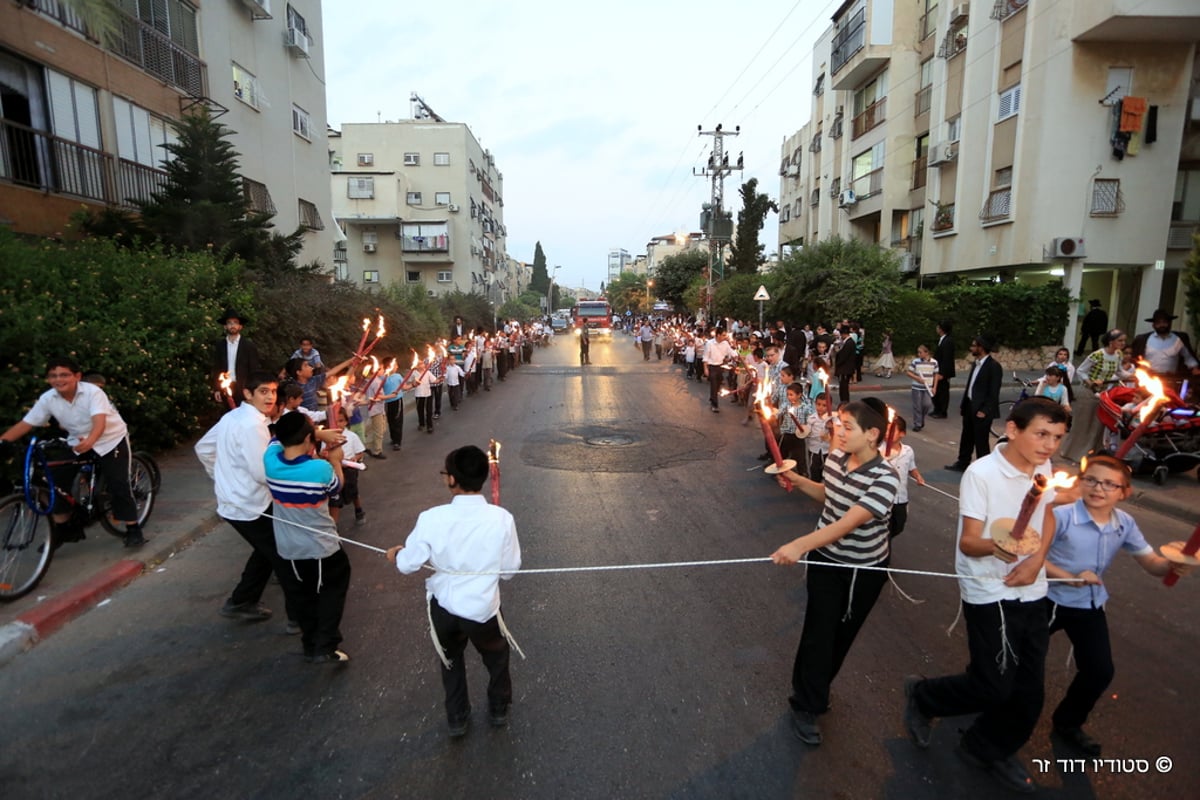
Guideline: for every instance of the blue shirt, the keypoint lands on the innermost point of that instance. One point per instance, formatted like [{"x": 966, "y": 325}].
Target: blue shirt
[
  {"x": 1080, "y": 543},
  {"x": 391, "y": 384},
  {"x": 301, "y": 488}
]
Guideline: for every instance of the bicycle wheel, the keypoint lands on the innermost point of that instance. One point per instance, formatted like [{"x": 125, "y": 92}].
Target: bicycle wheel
[
  {"x": 997, "y": 430},
  {"x": 153, "y": 465},
  {"x": 144, "y": 487},
  {"x": 25, "y": 550}
]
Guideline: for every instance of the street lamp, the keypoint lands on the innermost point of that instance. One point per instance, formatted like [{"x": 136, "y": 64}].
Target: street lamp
[{"x": 649, "y": 295}]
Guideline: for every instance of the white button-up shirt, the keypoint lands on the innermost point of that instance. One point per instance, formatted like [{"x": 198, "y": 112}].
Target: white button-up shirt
[
  {"x": 75, "y": 417},
  {"x": 232, "y": 455}
]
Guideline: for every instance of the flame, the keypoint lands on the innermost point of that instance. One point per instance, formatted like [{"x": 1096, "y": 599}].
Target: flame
[
  {"x": 226, "y": 384},
  {"x": 368, "y": 369},
  {"x": 493, "y": 452},
  {"x": 380, "y": 330},
  {"x": 366, "y": 324},
  {"x": 891, "y": 415},
  {"x": 416, "y": 359},
  {"x": 430, "y": 355},
  {"x": 336, "y": 389},
  {"x": 1061, "y": 480},
  {"x": 1155, "y": 387},
  {"x": 391, "y": 367},
  {"x": 823, "y": 375},
  {"x": 442, "y": 349}
]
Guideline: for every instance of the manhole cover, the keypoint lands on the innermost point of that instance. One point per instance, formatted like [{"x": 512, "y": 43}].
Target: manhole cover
[
  {"x": 617, "y": 447},
  {"x": 609, "y": 440}
]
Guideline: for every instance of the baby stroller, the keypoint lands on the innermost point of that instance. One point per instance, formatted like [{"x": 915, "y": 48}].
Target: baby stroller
[{"x": 1170, "y": 444}]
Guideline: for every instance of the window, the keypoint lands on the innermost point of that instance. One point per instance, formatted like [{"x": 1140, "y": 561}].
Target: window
[
  {"x": 370, "y": 276},
  {"x": 412, "y": 276},
  {"x": 867, "y": 171},
  {"x": 1106, "y": 198},
  {"x": 366, "y": 159},
  {"x": 258, "y": 197},
  {"x": 74, "y": 109},
  {"x": 301, "y": 122},
  {"x": 246, "y": 87},
  {"x": 370, "y": 237},
  {"x": 424, "y": 237},
  {"x": 296, "y": 22},
  {"x": 445, "y": 276},
  {"x": 819, "y": 89},
  {"x": 870, "y": 105},
  {"x": 140, "y": 135},
  {"x": 1010, "y": 103},
  {"x": 441, "y": 159},
  {"x": 925, "y": 94},
  {"x": 441, "y": 198},
  {"x": 785, "y": 213},
  {"x": 341, "y": 271},
  {"x": 953, "y": 129},
  {"x": 1002, "y": 178},
  {"x": 413, "y": 198},
  {"x": 412, "y": 159},
  {"x": 309, "y": 216},
  {"x": 360, "y": 188}
]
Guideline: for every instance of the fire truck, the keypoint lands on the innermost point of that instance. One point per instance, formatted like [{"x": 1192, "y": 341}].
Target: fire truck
[{"x": 595, "y": 314}]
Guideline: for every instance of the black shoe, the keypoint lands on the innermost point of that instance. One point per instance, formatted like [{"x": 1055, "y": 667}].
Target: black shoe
[
  {"x": 1079, "y": 739},
  {"x": 765, "y": 457},
  {"x": 957, "y": 466},
  {"x": 498, "y": 717},
  {"x": 135, "y": 539},
  {"x": 920, "y": 727},
  {"x": 916, "y": 428},
  {"x": 336, "y": 657},
  {"x": 804, "y": 725},
  {"x": 395, "y": 447},
  {"x": 935, "y": 415},
  {"x": 380, "y": 454},
  {"x": 360, "y": 516},
  {"x": 429, "y": 429},
  {"x": 458, "y": 728},
  {"x": 438, "y": 415},
  {"x": 716, "y": 410},
  {"x": 292, "y": 628},
  {"x": 252, "y": 612},
  {"x": 1008, "y": 772}
]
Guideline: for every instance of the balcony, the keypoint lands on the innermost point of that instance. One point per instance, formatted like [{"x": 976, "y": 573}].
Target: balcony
[
  {"x": 40, "y": 160},
  {"x": 848, "y": 41},
  {"x": 1135, "y": 21},
  {"x": 998, "y": 206},
  {"x": 943, "y": 219},
  {"x": 1006, "y": 8},
  {"x": 65, "y": 16},
  {"x": 158, "y": 55},
  {"x": 853, "y": 59},
  {"x": 866, "y": 185},
  {"x": 954, "y": 43},
  {"x": 870, "y": 117},
  {"x": 920, "y": 171}
]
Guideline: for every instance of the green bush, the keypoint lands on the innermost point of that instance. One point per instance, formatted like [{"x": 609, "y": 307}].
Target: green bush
[{"x": 142, "y": 319}]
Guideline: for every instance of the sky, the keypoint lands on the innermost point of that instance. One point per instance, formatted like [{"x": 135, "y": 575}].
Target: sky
[{"x": 590, "y": 111}]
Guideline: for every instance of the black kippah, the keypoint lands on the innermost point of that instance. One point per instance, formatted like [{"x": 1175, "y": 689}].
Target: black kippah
[
  {"x": 289, "y": 425},
  {"x": 877, "y": 405}
]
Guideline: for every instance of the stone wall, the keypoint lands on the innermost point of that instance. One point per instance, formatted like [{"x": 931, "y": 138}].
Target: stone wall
[{"x": 1031, "y": 360}]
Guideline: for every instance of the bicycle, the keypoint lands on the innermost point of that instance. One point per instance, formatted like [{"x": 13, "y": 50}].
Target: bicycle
[
  {"x": 1006, "y": 406},
  {"x": 26, "y": 534}
]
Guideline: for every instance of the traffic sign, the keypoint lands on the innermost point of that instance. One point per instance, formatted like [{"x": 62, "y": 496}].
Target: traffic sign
[{"x": 761, "y": 294}]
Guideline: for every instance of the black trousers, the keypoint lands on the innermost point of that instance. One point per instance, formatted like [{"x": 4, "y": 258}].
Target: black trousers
[
  {"x": 264, "y": 559},
  {"x": 395, "y": 419},
  {"x": 456, "y": 393},
  {"x": 318, "y": 608},
  {"x": 975, "y": 437},
  {"x": 716, "y": 377},
  {"x": 1009, "y": 699},
  {"x": 113, "y": 469},
  {"x": 844, "y": 388},
  {"x": 424, "y": 413},
  {"x": 832, "y": 619},
  {"x": 437, "y": 399},
  {"x": 1087, "y": 628},
  {"x": 941, "y": 397},
  {"x": 898, "y": 519},
  {"x": 454, "y": 632}
]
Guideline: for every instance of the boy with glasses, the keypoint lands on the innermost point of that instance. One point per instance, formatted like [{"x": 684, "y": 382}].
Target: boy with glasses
[{"x": 1087, "y": 535}]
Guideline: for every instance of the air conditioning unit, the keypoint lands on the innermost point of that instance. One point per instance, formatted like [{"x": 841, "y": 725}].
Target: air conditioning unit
[
  {"x": 1069, "y": 247},
  {"x": 366, "y": 159},
  {"x": 296, "y": 40},
  {"x": 908, "y": 262},
  {"x": 847, "y": 199},
  {"x": 259, "y": 9},
  {"x": 430, "y": 293},
  {"x": 453, "y": 207},
  {"x": 474, "y": 250},
  {"x": 793, "y": 170},
  {"x": 941, "y": 153},
  {"x": 369, "y": 247},
  {"x": 960, "y": 12}
]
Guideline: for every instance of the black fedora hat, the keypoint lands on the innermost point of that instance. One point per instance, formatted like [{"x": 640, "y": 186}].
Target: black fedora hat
[
  {"x": 1161, "y": 313},
  {"x": 233, "y": 314}
]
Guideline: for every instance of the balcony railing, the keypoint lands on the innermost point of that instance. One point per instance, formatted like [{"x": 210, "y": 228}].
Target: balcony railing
[
  {"x": 928, "y": 23},
  {"x": 998, "y": 205},
  {"x": 848, "y": 41},
  {"x": 943, "y": 218},
  {"x": 866, "y": 185},
  {"x": 954, "y": 43},
  {"x": 40, "y": 160},
  {"x": 67, "y": 17},
  {"x": 923, "y": 101},
  {"x": 920, "y": 171},
  {"x": 1179, "y": 237},
  {"x": 871, "y": 116},
  {"x": 156, "y": 53},
  {"x": 1006, "y": 8},
  {"x": 425, "y": 244}
]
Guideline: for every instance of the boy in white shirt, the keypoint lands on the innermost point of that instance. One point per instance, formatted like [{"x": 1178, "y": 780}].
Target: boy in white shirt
[
  {"x": 820, "y": 430},
  {"x": 904, "y": 461},
  {"x": 454, "y": 379}
]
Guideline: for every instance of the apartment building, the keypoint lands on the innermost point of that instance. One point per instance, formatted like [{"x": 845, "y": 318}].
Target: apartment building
[
  {"x": 618, "y": 262},
  {"x": 421, "y": 203},
  {"x": 985, "y": 138},
  {"x": 84, "y": 121},
  {"x": 662, "y": 247}
]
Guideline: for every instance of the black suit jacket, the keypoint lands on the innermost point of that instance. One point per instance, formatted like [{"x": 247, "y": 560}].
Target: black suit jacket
[
  {"x": 844, "y": 360},
  {"x": 247, "y": 364},
  {"x": 944, "y": 354},
  {"x": 986, "y": 396}
]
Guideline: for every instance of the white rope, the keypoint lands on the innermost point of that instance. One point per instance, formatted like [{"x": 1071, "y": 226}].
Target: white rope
[{"x": 939, "y": 491}]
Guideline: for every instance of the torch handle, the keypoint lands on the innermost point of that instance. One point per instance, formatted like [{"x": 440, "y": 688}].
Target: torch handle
[{"x": 1189, "y": 549}]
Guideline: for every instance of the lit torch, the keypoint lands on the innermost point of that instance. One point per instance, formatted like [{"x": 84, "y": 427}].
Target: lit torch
[
  {"x": 891, "y": 431},
  {"x": 1148, "y": 413},
  {"x": 366, "y": 326},
  {"x": 781, "y": 464},
  {"x": 227, "y": 389},
  {"x": 1017, "y": 539},
  {"x": 380, "y": 330},
  {"x": 1181, "y": 555},
  {"x": 494, "y": 469},
  {"x": 336, "y": 389}
]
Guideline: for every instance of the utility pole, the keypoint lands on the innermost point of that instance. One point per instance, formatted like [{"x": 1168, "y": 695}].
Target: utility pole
[{"x": 715, "y": 223}]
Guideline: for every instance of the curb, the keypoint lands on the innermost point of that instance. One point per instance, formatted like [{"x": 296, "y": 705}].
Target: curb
[{"x": 44, "y": 619}]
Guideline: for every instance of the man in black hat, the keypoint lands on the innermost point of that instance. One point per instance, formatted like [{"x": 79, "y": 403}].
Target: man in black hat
[
  {"x": 1169, "y": 354},
  {"x": 980, "y": 403},
  {"x": 233, "y": 354},
  {"x": 1094, "y": 325}
]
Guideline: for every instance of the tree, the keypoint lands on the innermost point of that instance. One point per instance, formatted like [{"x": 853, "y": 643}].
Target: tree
[
  {"x": 540, "y": 280},
  {"x": 835, "y": 279},
  {"x": 746, "y": 254},
  {"x": 676, "y": 273},
  {"x": 629, "y": 293},
  {"x": 1191, "y": 283}
]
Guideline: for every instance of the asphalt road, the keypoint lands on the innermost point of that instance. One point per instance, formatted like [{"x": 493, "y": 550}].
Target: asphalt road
[{"x": 666, "y": 682}]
